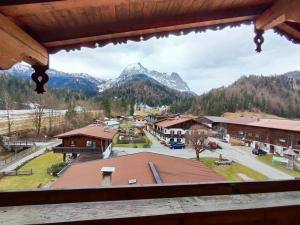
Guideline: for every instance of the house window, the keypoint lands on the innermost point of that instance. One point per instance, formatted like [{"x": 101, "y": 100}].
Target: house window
[
  {"x": 178, "y": 140},
  {"x": 257, "y": 135},
  {"x": 172, "y": 132},
  {"x": 73, "y": 143},
  {"x": 91, "y": 144},
  {"x": 249, "y": 134},
  {"x": 179, "y": 132}
]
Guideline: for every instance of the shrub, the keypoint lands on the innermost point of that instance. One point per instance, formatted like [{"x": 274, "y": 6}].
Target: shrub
[
  {"x": 135, "y": 146},
  {"x": 146, "y": 145},
  {"x": 56, "y": 168}
]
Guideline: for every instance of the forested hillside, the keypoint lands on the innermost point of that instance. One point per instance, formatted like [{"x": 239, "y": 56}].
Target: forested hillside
[
  {"x": 21, "y": 94},
  {"x": 143, "y": 89},
  {"x": 279, "y": 95}
]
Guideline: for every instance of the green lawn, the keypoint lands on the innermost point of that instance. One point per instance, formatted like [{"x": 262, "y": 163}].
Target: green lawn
[
  {"x": 267, "y": 159},
  {"x": 138, "y": 145},
  {"x": 230, "y": 172},
  {"x": 39, "y": 167}
]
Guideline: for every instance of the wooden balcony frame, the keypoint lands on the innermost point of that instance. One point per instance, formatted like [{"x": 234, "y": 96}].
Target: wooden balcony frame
[
  {"x": 126, "y": 192},
  {"x": 77, "y": 150},
  {"x": 258, "y": 215}
]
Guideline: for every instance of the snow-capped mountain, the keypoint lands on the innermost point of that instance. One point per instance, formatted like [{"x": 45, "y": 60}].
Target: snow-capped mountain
[
  {"x": 59, "y": 79},
  {"x": 173, "y": 81}
]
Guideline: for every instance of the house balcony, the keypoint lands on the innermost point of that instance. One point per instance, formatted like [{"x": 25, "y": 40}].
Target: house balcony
[
  {"x": 77, "y": 150},
  {"x": 238, "y": 203}
]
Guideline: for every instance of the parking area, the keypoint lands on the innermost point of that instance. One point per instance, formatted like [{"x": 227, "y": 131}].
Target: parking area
[{"x": 240, "y": 154}]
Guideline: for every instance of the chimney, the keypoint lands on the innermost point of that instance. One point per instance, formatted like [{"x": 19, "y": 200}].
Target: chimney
[{"x": 107, "y": 176}]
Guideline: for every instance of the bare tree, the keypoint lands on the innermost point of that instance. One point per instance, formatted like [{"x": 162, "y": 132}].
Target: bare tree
[
  {"x": 8, "y": 105},
  {"x": 38, "y": 115},
  {"x": 196, "y": 137},
  {"x": 51, "y": 103}
]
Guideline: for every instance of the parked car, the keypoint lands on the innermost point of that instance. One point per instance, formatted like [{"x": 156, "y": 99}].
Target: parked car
[
  {"x": 177, "y": 146},
  {"x": 213, "y": 145},
  {"x": 258, "y": 151}
]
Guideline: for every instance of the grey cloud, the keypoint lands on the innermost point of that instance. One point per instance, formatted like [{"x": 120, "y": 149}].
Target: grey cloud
[{"x": 205, "y": 60}]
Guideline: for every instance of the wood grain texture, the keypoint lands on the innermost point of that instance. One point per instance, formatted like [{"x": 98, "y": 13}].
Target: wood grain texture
[{"x": 17, "y": 45}]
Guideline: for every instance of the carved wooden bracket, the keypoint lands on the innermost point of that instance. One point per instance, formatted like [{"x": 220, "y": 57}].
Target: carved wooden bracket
[
  {"x": 40, "y": 78},
  {"x": 259, "y": 39}
]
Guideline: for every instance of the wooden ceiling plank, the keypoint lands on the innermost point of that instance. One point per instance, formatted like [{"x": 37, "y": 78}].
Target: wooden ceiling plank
[
  {"x": 136, "y": 9},
  {"x": 18, "y": 45},
  {"x": 49, "y": 6},
  {"x": 123, "y": 26},
  {"x": 54, "y": 44},
  {"x": 281, "y": 11},
  {"x": 108, "y": 13},
  {"x": 122, "y": 12}
]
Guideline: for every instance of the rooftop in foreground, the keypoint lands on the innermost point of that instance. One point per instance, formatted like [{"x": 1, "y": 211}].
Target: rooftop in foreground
[{"x": 136, "y": 166}]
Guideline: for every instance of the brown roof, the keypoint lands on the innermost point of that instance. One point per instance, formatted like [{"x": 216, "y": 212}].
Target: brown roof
[
  {"x": 172, "y": 121},
  {"x": 135, "y": 166},
  {"x": 91, "y": 131},
  {"x": 281, "y": 124}
]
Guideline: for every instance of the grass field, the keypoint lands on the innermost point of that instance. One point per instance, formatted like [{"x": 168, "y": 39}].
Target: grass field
[
  {"x": 133, "y": 145},
  {"x": 39, "y": 167},
  {"x": 267, "y": 159},
  {"x": 231, "y": 172}
]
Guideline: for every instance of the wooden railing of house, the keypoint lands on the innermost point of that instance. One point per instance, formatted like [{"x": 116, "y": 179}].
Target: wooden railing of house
[{"x": 286, "y": 214}]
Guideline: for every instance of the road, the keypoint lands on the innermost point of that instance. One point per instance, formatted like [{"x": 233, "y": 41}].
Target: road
[
  {"x": 239, "y": 154},
  {"x": 42, "y": 148}
]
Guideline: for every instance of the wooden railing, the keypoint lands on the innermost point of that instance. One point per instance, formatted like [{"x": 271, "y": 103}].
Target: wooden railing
[
  {"x": 77, "y": 150},
  {"x": 281, "y": 206},
  {"x": 55, "y": 196}
]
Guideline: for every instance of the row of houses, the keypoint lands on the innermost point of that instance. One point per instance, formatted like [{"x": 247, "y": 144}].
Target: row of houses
[{"x": 271, "y": 135}]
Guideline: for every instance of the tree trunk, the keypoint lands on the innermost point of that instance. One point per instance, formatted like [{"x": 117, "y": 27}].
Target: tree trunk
[{"x": 198, "y": 154}]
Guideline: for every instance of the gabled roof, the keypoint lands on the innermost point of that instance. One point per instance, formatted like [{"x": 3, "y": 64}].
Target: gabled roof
[
  {"x": 216, "y": 119},
  {"x": 91, "y": 131},
  {"x": 135, "y": 166},
  {"x": 281, "y": 124},
  {"x": 173, "y": 121}
]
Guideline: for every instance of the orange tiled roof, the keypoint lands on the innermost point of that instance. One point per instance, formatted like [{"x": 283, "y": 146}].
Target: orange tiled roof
[
  {"x": 135, "y": 166},
  {"x": 281, "y": 124},
  {"x": 92, "y": 131},
  {"x": 172, "y": 121}
]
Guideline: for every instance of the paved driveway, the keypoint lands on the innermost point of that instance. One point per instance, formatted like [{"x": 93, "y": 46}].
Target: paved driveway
[{"x": 239, "y": 154}]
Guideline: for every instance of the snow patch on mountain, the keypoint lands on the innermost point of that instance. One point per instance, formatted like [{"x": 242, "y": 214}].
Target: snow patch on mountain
[{"x": 172, "y": 80}]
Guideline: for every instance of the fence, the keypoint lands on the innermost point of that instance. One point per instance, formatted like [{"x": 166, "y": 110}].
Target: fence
[
  {"x": 17, "y": 172},
  {"x": 18, "y": 156}
]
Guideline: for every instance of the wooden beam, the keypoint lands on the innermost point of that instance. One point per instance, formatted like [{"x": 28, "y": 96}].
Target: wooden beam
[
  {"x": 118, "y": 193},
  {"x": 16, "y": 45},
  {"x": 280, "y": 12}
]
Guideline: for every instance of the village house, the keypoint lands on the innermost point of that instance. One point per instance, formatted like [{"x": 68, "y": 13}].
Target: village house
[
  {"x": 92, "y": 139},
  {"x": 136, "y": 169},
  {"x": 214, "y": 122},
  {"x": 151, "y": 120},
  {"x": 271, "y": 135},
  {"x": 173, "y": 129}
]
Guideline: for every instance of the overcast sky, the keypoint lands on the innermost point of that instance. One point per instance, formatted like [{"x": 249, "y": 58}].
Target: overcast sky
[{"x": 204, "y": 60}]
